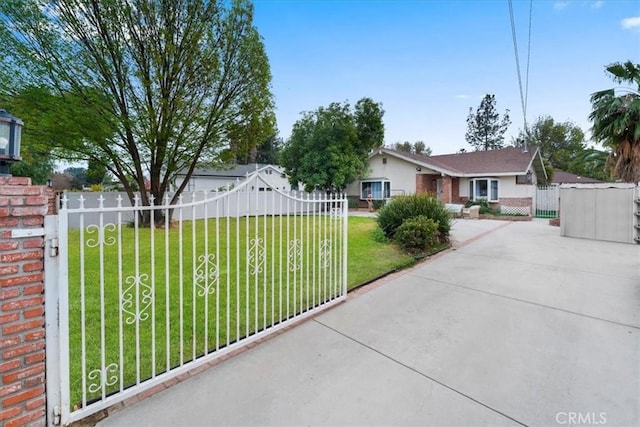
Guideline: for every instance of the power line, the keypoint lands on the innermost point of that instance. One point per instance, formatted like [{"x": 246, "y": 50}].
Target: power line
[{"x": 524, "y": 94}]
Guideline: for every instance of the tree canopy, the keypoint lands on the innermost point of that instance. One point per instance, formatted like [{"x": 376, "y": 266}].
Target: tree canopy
[
  {"x": 616, "y": 120},
  {"x": 591, "y": 162},
  {"x": 418, "y": 147},
  {"x": 329, "y": 147},
  {"x": 485, "y": 130},
  {"x": 269, "y": 151},
  {"x": 559, "y": 142},
  {"x": 157, "y": 87}
]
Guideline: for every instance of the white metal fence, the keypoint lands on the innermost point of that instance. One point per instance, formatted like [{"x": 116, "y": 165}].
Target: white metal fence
[{"x": 142, "y": 303}]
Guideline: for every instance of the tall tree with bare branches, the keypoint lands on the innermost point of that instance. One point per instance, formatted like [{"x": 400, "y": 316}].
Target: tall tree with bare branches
[{"x": 170, "y": 84}]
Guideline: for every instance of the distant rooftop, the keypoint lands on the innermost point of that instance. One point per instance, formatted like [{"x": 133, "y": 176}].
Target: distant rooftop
[
  {"x": 231, "y": 171},
  {"x": 562, "y": 177}
]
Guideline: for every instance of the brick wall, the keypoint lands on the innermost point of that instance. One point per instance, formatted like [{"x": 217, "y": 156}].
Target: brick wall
[
  {"x": 421, "y": 183},
  {"x": 455, "y": 190},
  {"x": 446, "y": 189},
  {"x": 22, "y": 333},
  {"x": 516, "y": 201}
]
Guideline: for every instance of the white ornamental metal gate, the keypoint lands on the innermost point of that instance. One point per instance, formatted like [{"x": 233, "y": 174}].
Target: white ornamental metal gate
[
  {"x": 140, "y": 302},
  {"x": 547, "y": 201}
]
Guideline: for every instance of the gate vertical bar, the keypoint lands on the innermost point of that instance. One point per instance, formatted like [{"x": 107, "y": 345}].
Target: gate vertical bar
[
  {"x": 136, "y": 251},
  {"x": 194, "y": 258},
  {"x": 313, "y": 251},
  {"x": 206, "y": 270},
  {"x": 167, "y": 295},
  {"x": 63, "y": 310},
  {"x": 83, "y": 339},
  {"x": 273, "y": 256},
  {"x": 345, "y": 238},
  {"x": 180, "y": 281},
  {"x": 120, "y": 297},
  {"x": 307, "y": 205},
  {"x": 152, "y": 228},
  {"x": 247, "y": 245},
  {"x": 103, "y": 350}
]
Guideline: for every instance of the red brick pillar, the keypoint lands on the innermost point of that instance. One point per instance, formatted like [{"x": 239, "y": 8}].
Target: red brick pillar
[
  {"x": 446, "y": 189},
  {"x": 22, "y": 332}
]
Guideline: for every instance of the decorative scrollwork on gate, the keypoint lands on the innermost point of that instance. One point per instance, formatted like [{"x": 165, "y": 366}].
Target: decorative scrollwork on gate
[
  {"x": 206, "y": 275},
  {"x": 137, "y": 308},
  {"x": 257, "y": 255},
  {"x": 325, "y": 253},
  {"x": 101, "y": 238},
  {"x": 295, "y": 255},
  {"x": 99, "y": 377},
  {"x": 336, "y": 214}
]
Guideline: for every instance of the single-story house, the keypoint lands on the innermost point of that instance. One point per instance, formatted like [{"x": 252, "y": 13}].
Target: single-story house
[
  {"x": 506, "y": 178},
  {"x": 209, "y": 179}
]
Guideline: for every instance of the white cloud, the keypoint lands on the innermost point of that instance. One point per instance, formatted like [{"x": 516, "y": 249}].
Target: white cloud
[
  {"x": 632, "y": 23},
  {"x": 597, "y": 4},
  {"x": 463, "y": 96},
  {"x": 559, "y": 5}
]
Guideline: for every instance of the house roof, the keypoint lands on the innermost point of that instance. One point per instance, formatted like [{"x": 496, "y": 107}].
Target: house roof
[
  {"x": 562, "y": 177},
  {"x": 232, "y": 171},
  {"x": 505, "y": 161},
  {"x": 513, "y": 160}
]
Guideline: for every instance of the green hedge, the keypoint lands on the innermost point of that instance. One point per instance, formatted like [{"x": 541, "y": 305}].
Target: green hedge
[{"x": 417, "y": 234}]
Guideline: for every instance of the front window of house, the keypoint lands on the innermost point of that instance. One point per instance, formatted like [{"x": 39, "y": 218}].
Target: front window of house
[
  {"x": 379, "y": 190},
  {"x": 483, "y": 189}
]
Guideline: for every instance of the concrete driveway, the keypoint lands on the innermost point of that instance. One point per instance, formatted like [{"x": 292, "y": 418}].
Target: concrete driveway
[{"x": 517, "y": 326}]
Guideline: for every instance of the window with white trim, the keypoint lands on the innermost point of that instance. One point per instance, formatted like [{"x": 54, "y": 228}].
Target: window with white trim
[
  {"x": 379, "y": 190},
  {"x": 483, "y": 189}
]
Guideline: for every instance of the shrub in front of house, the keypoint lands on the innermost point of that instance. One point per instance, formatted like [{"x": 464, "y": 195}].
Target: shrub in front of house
[
  {"x": 402, "y": 208},
  {"x": 378, "y": 204},
  {"x": 417, "y": 234}
]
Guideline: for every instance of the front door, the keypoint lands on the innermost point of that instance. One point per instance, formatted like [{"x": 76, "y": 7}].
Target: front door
[{"x": 439, "y": 189}]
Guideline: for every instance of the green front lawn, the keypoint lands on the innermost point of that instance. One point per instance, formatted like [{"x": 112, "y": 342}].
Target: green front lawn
[{"x": 369, "y": 258}]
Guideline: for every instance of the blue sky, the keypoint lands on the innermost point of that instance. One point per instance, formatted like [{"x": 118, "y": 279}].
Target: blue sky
[{"x": 429, "y": 61}]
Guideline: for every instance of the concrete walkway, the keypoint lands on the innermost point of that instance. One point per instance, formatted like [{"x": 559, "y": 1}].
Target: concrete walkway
[{"x": 517, "y": 326}]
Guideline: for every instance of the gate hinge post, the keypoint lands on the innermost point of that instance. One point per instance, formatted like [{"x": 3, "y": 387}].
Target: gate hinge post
[
  {"x": 54, "y": 247},
  {"x": 56, "y": 415}
]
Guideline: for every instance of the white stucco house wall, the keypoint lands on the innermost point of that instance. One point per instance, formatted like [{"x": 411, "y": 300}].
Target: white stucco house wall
[{"x": 506, "y": 178}]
